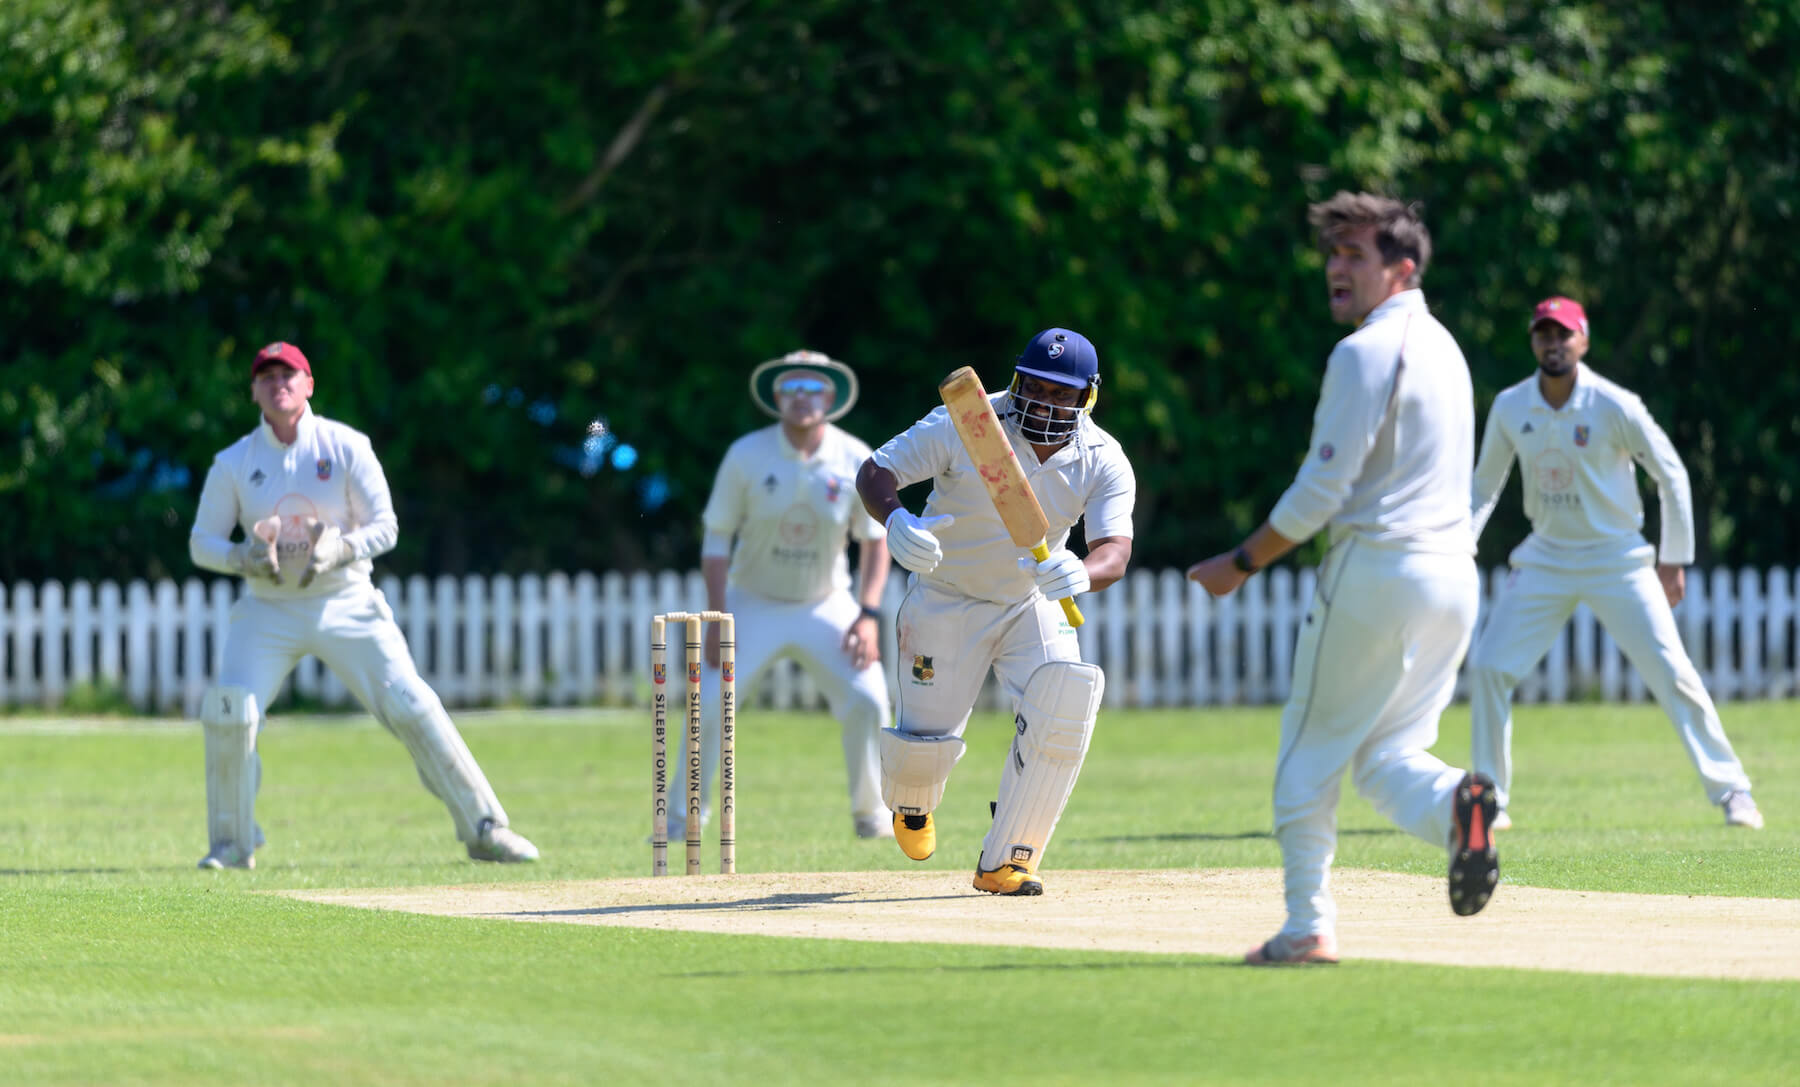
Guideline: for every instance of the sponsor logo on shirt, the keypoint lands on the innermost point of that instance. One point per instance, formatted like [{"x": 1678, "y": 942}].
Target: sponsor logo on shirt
[
  {"x": 257, "y": 477},
  {"x": 324, "y": 469},
  {"x": 1526, "y": 429},
  {"x": 1555, "y": 472},
  {"x": 922, "y": 670},
  {"x": 1581, "y": 434},
  {"x": 770, "y": 483}
]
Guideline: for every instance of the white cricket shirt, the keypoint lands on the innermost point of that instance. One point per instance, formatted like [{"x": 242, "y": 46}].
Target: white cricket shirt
[
  {"x": 329, "y": 473},
  {"x": 1089, "y": 478},
  {"x": 790, "y": 513},
  {"x": 1575, "y": 462},
  {"x": 1393, "y": 439}
]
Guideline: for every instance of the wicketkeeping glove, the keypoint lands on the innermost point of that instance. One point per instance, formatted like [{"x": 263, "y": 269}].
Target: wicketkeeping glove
[
  {"x": 329, "y": 551},
  {"x": 254, "y": 556},
  {"x": 911, "y": 542},
  {"x": 1060, "y": 576}
]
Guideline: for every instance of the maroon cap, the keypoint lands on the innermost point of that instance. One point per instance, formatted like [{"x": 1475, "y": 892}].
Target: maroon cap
[
  {"x": 282, "y": 352},
  {"x": 1564, "y": 311}
]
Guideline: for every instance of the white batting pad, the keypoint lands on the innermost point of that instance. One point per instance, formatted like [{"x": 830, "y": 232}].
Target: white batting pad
[
  {"x": 1051, "y": 733},
  {"x": 228, "y": 717},
  {"x": 411, "y": 711},
  {"x": 914, "y": 769}
]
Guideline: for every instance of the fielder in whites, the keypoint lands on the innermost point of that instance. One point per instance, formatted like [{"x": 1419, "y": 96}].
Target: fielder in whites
[
  {"x": 783, "y": 506},
  {"x": 1393, "y": 443},
  {"x": 314, "y": 508},
  {"x": 976, "y": 601},
  {"x": 1577, "y": 437}
]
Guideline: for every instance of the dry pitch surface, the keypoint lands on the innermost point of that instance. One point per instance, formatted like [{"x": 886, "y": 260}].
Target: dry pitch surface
[{"x": 1381, "y": 915}]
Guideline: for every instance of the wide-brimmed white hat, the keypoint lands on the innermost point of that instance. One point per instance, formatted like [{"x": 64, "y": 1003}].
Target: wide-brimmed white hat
[{"x": 843, "y": 380}]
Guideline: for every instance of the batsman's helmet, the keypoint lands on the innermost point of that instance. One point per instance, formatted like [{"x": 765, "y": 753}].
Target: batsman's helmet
[{"x": 1066, "y": 358}]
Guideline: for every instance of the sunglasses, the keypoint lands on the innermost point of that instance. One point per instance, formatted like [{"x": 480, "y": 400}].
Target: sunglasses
[{"x": 801, "y": 386}]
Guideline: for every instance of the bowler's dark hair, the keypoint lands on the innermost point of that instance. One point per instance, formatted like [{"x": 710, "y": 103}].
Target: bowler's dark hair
[{"x": 1399, "y": 230}]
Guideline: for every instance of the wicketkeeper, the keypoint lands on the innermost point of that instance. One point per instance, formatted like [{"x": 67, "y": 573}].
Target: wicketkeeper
[{"x": 315, "y": 510}]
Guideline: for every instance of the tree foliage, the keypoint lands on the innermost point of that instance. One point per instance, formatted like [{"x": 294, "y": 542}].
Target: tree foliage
[{"x": 491, "y": 226}]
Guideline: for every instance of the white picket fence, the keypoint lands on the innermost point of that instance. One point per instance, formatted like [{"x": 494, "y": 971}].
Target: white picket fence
[{"x": 583, "y": 640}]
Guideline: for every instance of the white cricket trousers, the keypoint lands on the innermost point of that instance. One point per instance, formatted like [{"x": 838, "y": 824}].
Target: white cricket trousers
[
  {"x": 811, "y": 633},
  {"x": 1374, "y": 668},
  {"x": 352, "y": 631},
  {"x": 949, "y": 642},
  {"x": 1629, "y": 601}
]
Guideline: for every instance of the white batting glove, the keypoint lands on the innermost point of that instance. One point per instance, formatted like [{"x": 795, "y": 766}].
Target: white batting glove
[
  {"x": 255, "y": 556},
  {"x": 1058, "y": 577},
  {"x": 329, "y": 551},
  {"x": 911, "y": 542}
]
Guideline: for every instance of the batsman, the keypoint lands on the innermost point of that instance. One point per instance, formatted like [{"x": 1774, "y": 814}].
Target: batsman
[{"x": 1011, "y": 474}]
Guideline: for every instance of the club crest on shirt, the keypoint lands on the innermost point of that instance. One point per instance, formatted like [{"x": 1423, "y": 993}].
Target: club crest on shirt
[
  {"x": 324, "y": 467},
  {"x": 922, "y": 670},
  {"x": 1581, "y": 434},
  {"x": 1326, "y": 452},
  {"x": 832, "y": 488},
  {"x": 1526, "y": 429},
  {"x": 770, "y": 483},
  {"x": 257, "y": 477}
]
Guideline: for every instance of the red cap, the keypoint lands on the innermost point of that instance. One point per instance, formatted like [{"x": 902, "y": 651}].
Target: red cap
[
  {"x": 1564, "y": 311},
  {"x": 284, "y": 353}
]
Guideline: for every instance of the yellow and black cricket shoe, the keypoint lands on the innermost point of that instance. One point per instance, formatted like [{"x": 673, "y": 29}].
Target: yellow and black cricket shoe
[
  {"x": 1008, "y": 879},
  {"x": 916, "y": 835}
]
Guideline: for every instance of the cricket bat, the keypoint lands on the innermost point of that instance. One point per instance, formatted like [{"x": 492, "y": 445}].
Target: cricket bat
[{"x": 998, "y": 465}]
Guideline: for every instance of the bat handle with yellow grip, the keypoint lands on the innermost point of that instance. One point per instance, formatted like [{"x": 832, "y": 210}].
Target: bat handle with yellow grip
[{"x": 1041, "y": 551}]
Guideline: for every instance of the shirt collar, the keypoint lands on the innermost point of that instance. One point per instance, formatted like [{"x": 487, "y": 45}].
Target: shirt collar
[
  {"x": 788, "y": 449},
  {"x": 1413, "y": 298},
  {"x": 1578, "y": 396},
  {"x": 302, "y": 427}
]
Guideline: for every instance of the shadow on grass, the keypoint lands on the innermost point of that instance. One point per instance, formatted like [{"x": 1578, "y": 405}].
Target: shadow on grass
[
  {"x": 766, "y": 902},
  {"x": 1240, "y": 836}
]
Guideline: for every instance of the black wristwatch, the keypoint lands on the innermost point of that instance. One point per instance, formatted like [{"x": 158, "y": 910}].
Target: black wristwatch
[
  {"x": 1241, "y": 559},
  {"x": 872, "y": 613}
]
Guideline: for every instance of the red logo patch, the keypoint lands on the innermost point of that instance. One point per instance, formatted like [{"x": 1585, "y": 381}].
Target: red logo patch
[
  {"x": 324, "y": 469},
  {"x": 1326, "y": 452}
]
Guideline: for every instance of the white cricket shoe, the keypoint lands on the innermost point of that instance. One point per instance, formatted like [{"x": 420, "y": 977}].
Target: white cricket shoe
[
  {"x": 875, "y": 826},
  {"x": 1740, "y": 811},
  {"x": 501, "y": 844},
  {"x": 228, "y": 856}
]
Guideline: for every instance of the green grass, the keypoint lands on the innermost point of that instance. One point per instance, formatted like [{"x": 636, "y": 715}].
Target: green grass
[{"x": 120, "y": 963}]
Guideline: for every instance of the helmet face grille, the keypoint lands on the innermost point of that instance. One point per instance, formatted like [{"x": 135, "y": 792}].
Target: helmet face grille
[{"x": 1055, "y": 423}]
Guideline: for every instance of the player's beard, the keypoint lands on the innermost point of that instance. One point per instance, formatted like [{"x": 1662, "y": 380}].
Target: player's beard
[{"x": 1556, "y": 366}]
